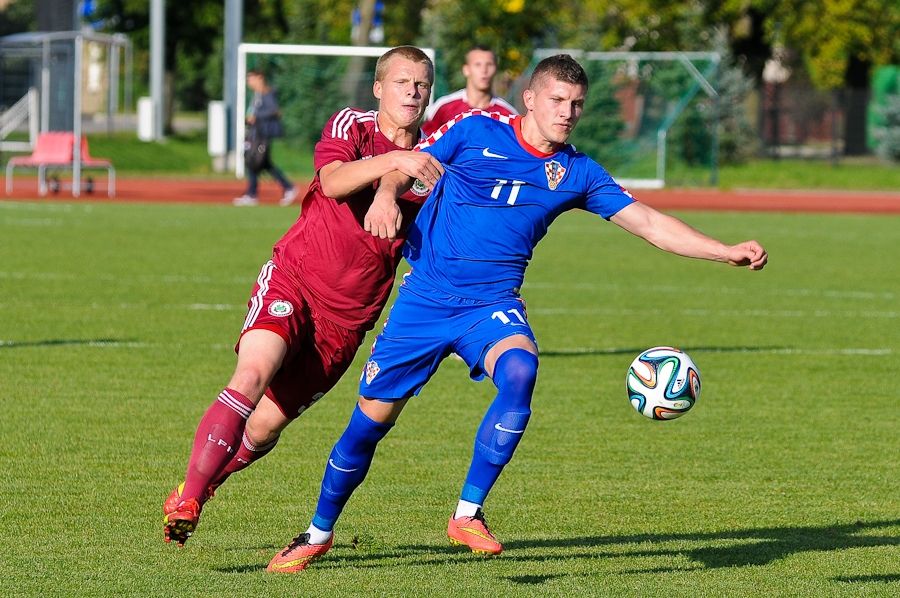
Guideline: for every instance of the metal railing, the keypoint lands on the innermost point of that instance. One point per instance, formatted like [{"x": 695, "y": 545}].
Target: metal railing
[{"x": 10, "y": 120}]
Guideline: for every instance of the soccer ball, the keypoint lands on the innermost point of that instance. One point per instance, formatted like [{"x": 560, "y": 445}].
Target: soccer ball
[{"x": 663, "y": 383}]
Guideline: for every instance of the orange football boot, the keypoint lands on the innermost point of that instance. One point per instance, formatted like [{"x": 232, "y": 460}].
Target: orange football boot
[
  {"x": 298, "y": 555},
  {"x": 474, "y": 533}
]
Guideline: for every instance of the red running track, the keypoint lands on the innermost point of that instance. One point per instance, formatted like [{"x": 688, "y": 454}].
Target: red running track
[{"x": 223, "y": 191}]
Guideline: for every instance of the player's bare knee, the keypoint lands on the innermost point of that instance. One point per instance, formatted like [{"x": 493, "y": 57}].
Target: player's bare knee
[
  {"x": 250, "y": 380},
  {"x": 262, "y": 431}
]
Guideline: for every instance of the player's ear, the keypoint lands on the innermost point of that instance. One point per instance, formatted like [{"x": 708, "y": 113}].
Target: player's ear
[
  {"x": 528, "y": 98},
  {"x": 376, "y": 89}
]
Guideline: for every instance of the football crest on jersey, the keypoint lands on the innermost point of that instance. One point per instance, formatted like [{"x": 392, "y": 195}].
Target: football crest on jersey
[
  {"x": 555, "y": 173},
  {"x": 371, "y": 371},
  {"x": 281, "y": 308},
  {"x": 420, "y": 188}
]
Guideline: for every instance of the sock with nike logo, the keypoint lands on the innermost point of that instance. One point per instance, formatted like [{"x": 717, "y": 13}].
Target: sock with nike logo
[
  {"x": 347, "y": 466},
  {"x": 515, "y": 374}
]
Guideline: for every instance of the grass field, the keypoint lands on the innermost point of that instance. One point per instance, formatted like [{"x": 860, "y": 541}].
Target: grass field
[{"x": 116, "y": 333}]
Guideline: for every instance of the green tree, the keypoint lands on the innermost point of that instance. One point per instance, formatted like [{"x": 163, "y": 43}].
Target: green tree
[
  {"x": 838, "y": 43},
  {"x": 598, "y": 131},
  {"x": 194, "y": 33},
  {"x": 511, "y": 28},
  {"x": 17, "y": 16}
]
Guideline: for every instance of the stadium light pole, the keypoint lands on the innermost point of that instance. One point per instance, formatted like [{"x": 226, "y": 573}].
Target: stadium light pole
[{"x": 234, "y": 26}]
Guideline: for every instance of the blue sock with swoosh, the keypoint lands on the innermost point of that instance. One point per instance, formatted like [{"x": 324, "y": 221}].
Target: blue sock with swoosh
[
  {"x": 515, "y": 374},
  {"x": 347, "y": 466}
]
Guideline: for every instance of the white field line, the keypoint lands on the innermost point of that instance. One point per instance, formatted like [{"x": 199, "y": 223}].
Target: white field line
[
  {"x": 852, "y": 351},
  {"x": 756, "y": 313},
  {"x": 711, "y": 291},
  {"x": 863, "y": 351},
  {"x": 146, "y": 278},
  {"x": 580, "y": 286},
  {"x": 608, "y": 312}
]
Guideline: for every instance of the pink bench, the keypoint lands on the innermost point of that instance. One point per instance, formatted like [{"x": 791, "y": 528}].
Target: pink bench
[{"x": 57, "y": 150}]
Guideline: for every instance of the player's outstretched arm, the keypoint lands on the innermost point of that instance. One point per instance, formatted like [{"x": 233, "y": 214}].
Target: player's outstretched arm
[
  {"x": 384, "y": 217},
  {"x": 675, "y": 236},
  {"x": 342, "y": 179}
]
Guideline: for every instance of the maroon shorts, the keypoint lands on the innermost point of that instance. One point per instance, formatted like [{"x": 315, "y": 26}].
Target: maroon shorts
[{"x": 319, "y": 351}]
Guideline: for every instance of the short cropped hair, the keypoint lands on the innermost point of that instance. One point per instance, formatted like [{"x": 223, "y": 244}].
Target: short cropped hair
[
  {"x": 480, "y": 48},
  {"x": 257, "y": 72},
  {"x": 410, "y": 53},
  {"x": 560, "y": 67}
]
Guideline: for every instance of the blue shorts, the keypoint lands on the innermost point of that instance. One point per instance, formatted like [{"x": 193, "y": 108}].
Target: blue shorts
[{"x": 425, "y": 326}]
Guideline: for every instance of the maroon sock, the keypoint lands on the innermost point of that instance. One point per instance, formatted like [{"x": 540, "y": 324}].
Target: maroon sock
[
  {"x": 245, "y": 455},
  {"x": 216, "y": 441}
]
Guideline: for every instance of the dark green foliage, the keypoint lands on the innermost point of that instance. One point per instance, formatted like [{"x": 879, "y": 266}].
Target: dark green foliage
[
  {"x": 738, "y": 140},
  {"x": 312, "y": 88},
  {"x": 599, "y": 130},
  {"x": 887, "y": 134},
  {"x": 18, "y": 16}
]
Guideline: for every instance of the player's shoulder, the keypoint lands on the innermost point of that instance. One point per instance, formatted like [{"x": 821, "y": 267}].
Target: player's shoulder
[
  {"x": 501, "y": 105},
  {"x": 446, "y": 105},
  {"x": 578, "y": 157},
  {"x": 587, "y": 166},
  {"x": 469, "y": 121},
  {"x": 477, "y": 117},
  {"x": 456, "y": 96},
  {"x": 347, "y": 121}
]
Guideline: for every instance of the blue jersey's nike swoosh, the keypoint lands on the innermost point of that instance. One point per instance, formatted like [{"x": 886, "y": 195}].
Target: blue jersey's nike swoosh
[
  {"x": 502, "y": 429},
  {"x": 489, "y": 154}
]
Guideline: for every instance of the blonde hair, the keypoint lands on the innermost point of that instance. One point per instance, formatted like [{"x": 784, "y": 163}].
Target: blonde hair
[{"x": 410, "y": 53}]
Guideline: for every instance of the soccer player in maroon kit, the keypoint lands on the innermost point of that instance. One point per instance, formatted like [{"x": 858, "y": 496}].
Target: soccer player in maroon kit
[
  {"x": 325, "y": 286},
  {"x": 479, "y": 70}
]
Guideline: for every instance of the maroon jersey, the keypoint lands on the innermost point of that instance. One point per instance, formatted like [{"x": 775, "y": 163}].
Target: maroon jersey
[
  {"x": 345, "y": 273},
  {"x": 448, "y": 106}
]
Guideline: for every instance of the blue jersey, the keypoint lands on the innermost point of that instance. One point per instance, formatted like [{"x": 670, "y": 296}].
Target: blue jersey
[{"x": 475, "y": 234}]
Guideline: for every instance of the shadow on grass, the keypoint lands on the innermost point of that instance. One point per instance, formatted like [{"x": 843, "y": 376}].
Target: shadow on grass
[
  {"x": 61, "y": 342},
  {"x": 636, "y": 350},
  {"x": 533, "y": 580},
  {"x": 749, "y": 547},
  {"x": 752, "y": 547},
  {"x": 869, "y": 578}
]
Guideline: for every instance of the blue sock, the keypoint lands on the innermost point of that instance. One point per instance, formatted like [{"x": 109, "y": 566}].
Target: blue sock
[
  {"x": 501, "y": 429},
  {"x": 347, "y": 466}
]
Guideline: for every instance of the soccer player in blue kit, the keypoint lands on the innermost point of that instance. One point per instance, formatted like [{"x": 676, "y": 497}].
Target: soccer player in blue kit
[{"x": 506, "y": 179}]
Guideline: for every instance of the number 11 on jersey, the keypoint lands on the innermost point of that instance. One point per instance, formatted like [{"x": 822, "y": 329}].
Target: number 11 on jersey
[{"x": 513, "y": 193}]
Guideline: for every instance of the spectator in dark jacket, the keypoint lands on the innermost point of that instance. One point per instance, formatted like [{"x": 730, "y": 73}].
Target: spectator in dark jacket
[{"x": 264, "y": 124}]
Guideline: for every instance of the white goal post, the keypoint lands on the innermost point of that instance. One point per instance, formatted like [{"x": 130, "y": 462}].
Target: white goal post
[{"x": 287, "y": 49}]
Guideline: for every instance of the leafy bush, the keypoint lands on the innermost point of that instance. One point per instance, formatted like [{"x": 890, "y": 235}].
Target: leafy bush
[
  {"x": 598, "y": 131},
  {"x": 887, "y": 135}
]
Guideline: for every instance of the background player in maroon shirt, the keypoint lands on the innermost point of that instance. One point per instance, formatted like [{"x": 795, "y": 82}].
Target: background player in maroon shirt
[
  {"x": 325, "y": 286},
  {"x": 479, "y": 71}
]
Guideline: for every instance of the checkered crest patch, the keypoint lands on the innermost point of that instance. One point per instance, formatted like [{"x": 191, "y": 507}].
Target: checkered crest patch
[
  {"x": 371, "y": 371},
  {"x": 555, "y": 173}
]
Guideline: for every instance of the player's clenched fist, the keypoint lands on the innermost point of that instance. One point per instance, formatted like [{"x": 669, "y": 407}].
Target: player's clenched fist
[
  {"x": 748, "y": 253},
  {"x": 383, "y": 219}
]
